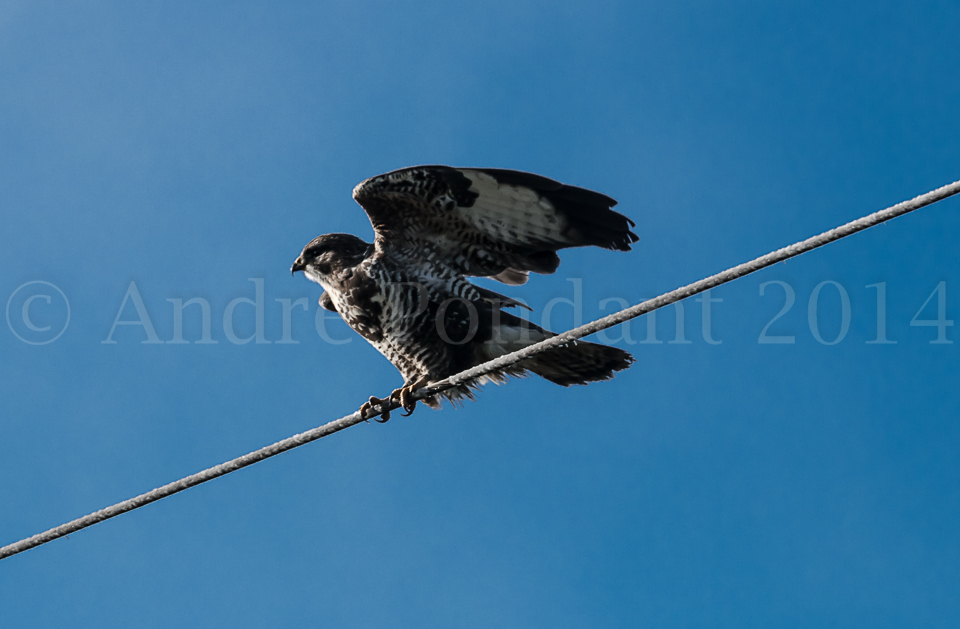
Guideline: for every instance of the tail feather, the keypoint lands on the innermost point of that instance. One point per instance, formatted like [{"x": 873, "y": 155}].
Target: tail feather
[{"x": 578, "y": 362}]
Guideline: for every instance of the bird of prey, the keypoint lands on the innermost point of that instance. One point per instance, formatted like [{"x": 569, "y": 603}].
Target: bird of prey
[{"x": 408, "y": 294}]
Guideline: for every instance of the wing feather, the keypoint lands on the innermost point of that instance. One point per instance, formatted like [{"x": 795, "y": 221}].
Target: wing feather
[{"x": 489, "y": 222}]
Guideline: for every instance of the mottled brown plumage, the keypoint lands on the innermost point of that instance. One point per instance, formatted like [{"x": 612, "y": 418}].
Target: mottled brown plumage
[{"x": 408, "y": 293}]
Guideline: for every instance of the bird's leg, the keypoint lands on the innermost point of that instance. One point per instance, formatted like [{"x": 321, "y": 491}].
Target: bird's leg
[
  {"x": 384, "y": 415},
  {"x": 405, "y": 395}
]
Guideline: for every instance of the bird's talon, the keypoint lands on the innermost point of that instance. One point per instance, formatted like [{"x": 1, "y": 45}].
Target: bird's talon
[
  {"x": 407, "y": 401},
  {"x": 381, "y": 417},
  {"x": 402, "y": 397},
  {"x": 364, "y": 409}
]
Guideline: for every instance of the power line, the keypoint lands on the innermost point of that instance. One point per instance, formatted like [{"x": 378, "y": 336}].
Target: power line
[{"x": 504, "y": 361}]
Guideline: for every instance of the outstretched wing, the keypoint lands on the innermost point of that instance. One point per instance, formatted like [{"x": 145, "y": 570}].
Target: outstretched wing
[{"x": 487, "y": 221}]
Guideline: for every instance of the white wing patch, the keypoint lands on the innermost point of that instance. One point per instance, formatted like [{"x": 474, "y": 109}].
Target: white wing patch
[{"x": 512, "y": 214}]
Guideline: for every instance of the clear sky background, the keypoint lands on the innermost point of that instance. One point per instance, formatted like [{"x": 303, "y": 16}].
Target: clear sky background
[{"x": 189, "y": 147}]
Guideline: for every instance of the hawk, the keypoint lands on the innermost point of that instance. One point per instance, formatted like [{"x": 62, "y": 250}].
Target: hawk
[{"x": 408, "y": 294}]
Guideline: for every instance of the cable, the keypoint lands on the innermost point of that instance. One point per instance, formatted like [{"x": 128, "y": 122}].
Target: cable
[{"x": 504, "y": 361}]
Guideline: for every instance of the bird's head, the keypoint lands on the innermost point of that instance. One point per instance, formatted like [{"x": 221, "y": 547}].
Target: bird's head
[{"x": 327, "y": 256}]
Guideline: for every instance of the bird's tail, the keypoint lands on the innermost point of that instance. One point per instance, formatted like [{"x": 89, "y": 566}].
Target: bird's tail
[{"x": 579, "y": 362}]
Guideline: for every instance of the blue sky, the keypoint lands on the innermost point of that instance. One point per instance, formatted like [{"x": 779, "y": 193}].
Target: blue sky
[{"x": 190, "y": 147}]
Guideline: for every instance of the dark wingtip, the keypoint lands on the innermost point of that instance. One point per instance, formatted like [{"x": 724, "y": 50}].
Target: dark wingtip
[{"x": 624, "y": 243}]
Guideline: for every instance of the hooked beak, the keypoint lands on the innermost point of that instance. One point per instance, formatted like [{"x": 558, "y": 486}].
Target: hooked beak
[{"x": 298, "y": 265}]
